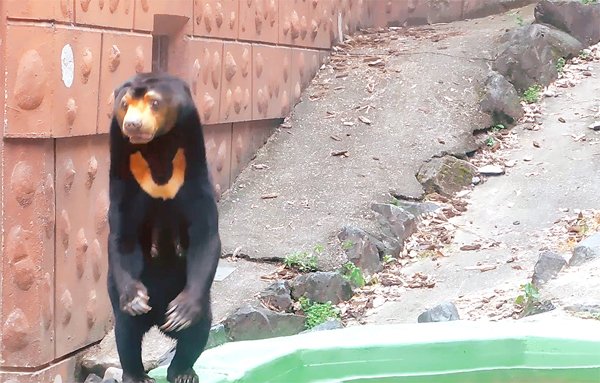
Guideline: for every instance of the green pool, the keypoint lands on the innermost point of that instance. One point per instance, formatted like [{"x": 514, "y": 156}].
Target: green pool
[{"x": 457, "y": 351}]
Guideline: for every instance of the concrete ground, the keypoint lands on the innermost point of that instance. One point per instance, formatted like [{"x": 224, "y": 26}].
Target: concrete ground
[
  {"x": 420, "y": 100},
  {"x": 548, "y": 181}
]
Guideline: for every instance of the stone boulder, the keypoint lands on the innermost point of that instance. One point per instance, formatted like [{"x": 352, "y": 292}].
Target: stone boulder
[
  {"x": 330, "y": 324},
  {"x": 252, "y": 323},
  {"x": 549, "y": 264},
  {"x": 444, "y": 312},
  {"x": 322, "y": 287},
  {"x": 446, "y": 175},
  {"x": 586, "y": 250},
  {"x": 278, "y": 294},
  {"x": 581, "y": 21},
  {"x": 501, "y": 100},
  {"x": 528, "y": 55},
  {"x": 364, "y": 249},
  {"x": 417, "y": 208}
]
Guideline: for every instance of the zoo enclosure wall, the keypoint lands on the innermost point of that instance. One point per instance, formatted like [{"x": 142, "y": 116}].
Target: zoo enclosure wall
[{"x": 247, "y": 62}]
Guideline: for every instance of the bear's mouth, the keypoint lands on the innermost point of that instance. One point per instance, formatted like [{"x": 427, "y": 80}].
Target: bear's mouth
[{"x": 141, "y": 138}]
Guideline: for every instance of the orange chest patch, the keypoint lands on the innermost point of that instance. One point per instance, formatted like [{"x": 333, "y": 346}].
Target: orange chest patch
[{"x": 143, "y": 175}]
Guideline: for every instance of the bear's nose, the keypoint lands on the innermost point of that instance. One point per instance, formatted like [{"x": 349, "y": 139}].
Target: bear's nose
[{"x": 132, "y": 126}]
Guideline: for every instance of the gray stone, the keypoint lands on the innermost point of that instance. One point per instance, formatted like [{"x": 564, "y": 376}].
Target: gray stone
[
  {"x": 278, "y": 295},
  {"x": 418, "y": 208},
  {"x": 446, "y": 175},
  {"x": 549, "y": 264},
  {"x": 584, "y": 307},
  {"x": 252, "y": 323},
  {"x": 529, "y": 54},
  {"x": 501, "y": 100},
  {"x": 394, "y": 221},
  {"x": 330, "y": 324},
  {"x": 113, "y": 373},
  {"x": 322, "y": 287},
  {"x": 444, "y": 312},
  {"x": 474, "y": 9},
  {"x": 586, "y": 250},
  {"x": 491, "y": 170},
  {"x": 363, "y": 252},
  {"x": 93, "y": 378},
  {"x": 581, "y": 21},
  {"x": 537, "y": 308}
]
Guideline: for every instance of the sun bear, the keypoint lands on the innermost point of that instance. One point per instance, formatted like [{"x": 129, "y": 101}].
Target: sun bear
[{"x": 164, "y": 244}]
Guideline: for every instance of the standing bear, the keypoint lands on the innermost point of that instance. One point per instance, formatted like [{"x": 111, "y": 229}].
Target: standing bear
[{"x": 164, "y": 243}]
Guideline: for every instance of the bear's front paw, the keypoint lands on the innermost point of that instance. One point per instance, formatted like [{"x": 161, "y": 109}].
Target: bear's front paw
[
  {"x": 182, "y": 312},
  {"x": 134, "y": 301}
]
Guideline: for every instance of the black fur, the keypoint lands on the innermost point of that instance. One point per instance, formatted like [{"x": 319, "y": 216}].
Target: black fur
[{"x": 164, "y": 250}]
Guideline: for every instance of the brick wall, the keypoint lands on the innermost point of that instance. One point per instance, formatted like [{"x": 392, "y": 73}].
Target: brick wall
[{"x": 247, "y": 62}]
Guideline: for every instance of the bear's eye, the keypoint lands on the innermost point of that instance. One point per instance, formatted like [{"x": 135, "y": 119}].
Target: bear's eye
[
  {"x": 123, "y": 104},
  {"x": 154, "y": 104}
]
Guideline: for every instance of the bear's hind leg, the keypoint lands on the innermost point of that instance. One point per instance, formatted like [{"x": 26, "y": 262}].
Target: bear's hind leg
[
  {"x": 129, "y": 332},
  {"x": 190, "y": 344}
]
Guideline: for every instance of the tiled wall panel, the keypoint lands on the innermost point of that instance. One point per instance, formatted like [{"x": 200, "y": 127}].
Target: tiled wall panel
[
  {"x": 106, "y": 13},
  {"x": 123, "y": 55},
  {"x": 236, "y": 82},
  {"x": 53, "y": 78},
  {"x": 259, "y": 20},
  {"x": 271, "y": 81},
  {"x": 206, "y": 59},
  {"x": 28, "y": 217},
  {"x": 82, "y": 306},
  {"x": 145, "y": 11},
  {"x": 217, "y": 18},
  {"x": 217, "y": 139},
  {"x": 60, "y": 10}
]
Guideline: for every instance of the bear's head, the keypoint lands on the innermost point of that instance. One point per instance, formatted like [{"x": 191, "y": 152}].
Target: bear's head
[{"x": 150, "y": 104}]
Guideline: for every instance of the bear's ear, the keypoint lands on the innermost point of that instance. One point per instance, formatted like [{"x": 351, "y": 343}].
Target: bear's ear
[{"x": 120, "y": 88}]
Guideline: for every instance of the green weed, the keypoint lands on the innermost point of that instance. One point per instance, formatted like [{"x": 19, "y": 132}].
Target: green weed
[
  {"x": 518, "y": 18},
  {"x": 560, "y": 65},
  {"x": 388, "y": 259},
  {"x": 318, "y": 249},
  {"x": 317, "y": 313},
  {"x": 529, "y": 298},
  {"x": 498, "y": 127},
  {"x": 589, "y": 1},
  {"x": 303, "y": 262},
  {"x": 490, "y": 142},
  {"x": 353, "y": 274},
  {"x": 348, "y": 244},
  {"x": 532, "y": 94}
]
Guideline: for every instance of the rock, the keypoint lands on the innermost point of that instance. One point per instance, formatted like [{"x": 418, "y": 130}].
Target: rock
[
  {"x": 252, "y": 323},
  {"x": 395, "y": 221},
  {"x": 537, "y": 308},
  {"x": 501, "y": 100},
  {"x": 581, "y": 21},
  {"x": 491, "y": 170},
  {"x": 93, "y": 378},
  {"x": 585, "y": 307},
  {"x": 417, "y": 208},
  {"x": 278, "y": 295},
  {"x": 113, "y": 373},
  {"x": 586, "y": 250},
  {"x": 363, "y": 251},
  {"x": 476, "y": 180},
  {"x": 549, "y": 264},
  {"x": 594, "y": 125},
  {"x": 444, "y": 312},
  {"x": 331, "y": 324},
  {"x": 446, "y": 175},
  {"x": 216, "y": 337},
  {"x": 529, "y": 54},
  {"x": 97, "y": 364},
  {"x": 322, "y": 287}
]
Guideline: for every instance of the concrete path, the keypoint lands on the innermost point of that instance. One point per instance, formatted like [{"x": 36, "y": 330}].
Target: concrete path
[{"x": 415, "y": 87}]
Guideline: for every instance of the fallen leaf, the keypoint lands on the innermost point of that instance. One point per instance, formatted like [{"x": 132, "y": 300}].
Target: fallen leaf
[
  {"x": 347, "y": 123},
  {"x": 260, "y": 166},
  {"x": 336, "y": 138},
  {"x": 269, "y": 196},
  {"x": 364, "y": 120},
  {"x": 470, "y": 247},
  {"x": 561, "y": 120},
  {"x": 340, "y": 153},
  {"x": 481, "y": 268},
  {"x": 536, "y": 144}
]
